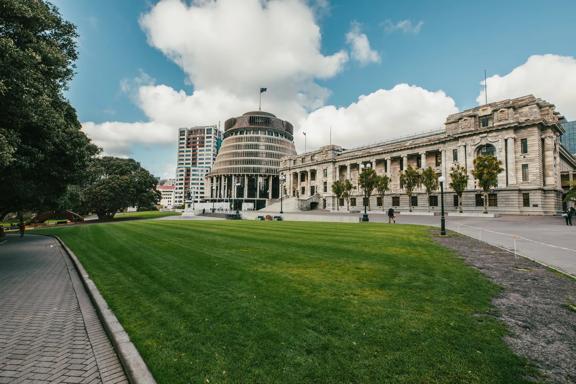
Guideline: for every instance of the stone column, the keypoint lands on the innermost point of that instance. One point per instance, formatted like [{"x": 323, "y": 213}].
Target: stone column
[
  {"x": 511, "y": 166},
  {"x": 548, "y": 160},
  {"x": 258, "y": 186},
  {"x": 234, "y": 187},
  {"x": 308, "y": 182},
  {"x": 389, "y": 167},
  {"x": 423, "y": 164},
  {"x": 470, "y": 165},
  {"x": 348, "y": 172},
  {"x": 501, "y": 155},
  {"x": 245, "y": 186},
  {"x": 270, "y": 182}
]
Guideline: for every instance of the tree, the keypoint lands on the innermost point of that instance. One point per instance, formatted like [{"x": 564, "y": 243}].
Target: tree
[
  {"x": 571, "y": 194},
  {"x": 117, "y": 184},
  {"x": 486, "y": 171},
  {"x": 430, "y": 181},
  {"x": 459, "y": 181},
  {"x": 410, "y": 179},
  {"x": 382, "y": 186},
  {"x": 42, "y": 149},
  {"x": 347, "y": 192},
  {"x": 367, "y": 181},
  {"x": 338, "y": 191}
]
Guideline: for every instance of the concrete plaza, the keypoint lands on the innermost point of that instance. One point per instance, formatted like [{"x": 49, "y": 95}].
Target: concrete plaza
[{"x": 49, "y": 329}]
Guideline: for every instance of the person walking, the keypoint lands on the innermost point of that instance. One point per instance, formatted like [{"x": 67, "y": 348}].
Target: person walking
[
  {"x": 568, "y": 215},
  {"x": 571, "y": 214},
  {"x": 391, "y": 217},
  {"x": 21, "y": 228}
]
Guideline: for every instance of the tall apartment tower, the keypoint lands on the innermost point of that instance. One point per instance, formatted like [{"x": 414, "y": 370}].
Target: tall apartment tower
[{"x": 197, "y": 150}]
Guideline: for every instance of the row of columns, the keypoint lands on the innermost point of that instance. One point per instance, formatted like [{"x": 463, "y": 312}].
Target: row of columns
[{"x": 227, "y": 186}]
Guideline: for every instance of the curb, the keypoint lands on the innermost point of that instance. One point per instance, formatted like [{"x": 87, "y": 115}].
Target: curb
[{"x": 134, "y": 366}]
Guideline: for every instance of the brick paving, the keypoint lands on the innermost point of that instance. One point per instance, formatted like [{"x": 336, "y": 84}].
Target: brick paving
[{"x": 49, "y": 330}]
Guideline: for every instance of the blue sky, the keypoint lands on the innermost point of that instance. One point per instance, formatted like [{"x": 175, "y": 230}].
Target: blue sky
[{"x": 447, "y": 48}]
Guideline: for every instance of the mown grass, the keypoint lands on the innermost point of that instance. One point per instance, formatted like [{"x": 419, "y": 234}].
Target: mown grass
[
  {"x": 145, "y": 214},
  {"x": 288, "y": 302}
]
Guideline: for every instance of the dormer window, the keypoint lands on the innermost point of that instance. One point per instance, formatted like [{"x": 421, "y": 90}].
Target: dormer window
[{"x": 485, "y": 121}]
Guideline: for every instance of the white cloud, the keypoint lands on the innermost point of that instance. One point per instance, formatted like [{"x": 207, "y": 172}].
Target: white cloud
[
  {"x": 405, "y": 26},
  {"x": 381, "y": 115},
  {"x": 550, "y": 77},
  {"x": 360, "y": 46},
  {"x": 228, "y": 49},
  {"x": 117, "y": 137}
]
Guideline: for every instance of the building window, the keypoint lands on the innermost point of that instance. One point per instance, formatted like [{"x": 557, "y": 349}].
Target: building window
[
  {"x": 455, "y": 200},
  {"x": 484, "y": 121},
  {"x": 526, "y": 199},
  {"x": 325, "y": 186},
  {"x": 524, "y": 172},
  {"x": 414, "y": 200},
  {"x": 341, "y": 201},
  {"x": 312, "y": 190},
  {"x": 487, "y": 150},
  {"x": 379, "y": 201},
  {"x": 325, "y": 172},
  {"x": 312, "y": 176},
  {"x": 455, "y": 155},
  {"x": 396, "y": 201},
  {"x": 418, "y": 162},
  {"x": 353, "y": 202},
  {"x": 302, "y": 177},
  {"x": 438, "y": 159},
  {"x": 524, "y": 146},
  {"x": 479, "y": 200},
  {"x": 402, "y": 164},
  {"x": 433, "y": 201},
  {"x": 492, "y": 200},
  {"x": 303, "y": 191}
]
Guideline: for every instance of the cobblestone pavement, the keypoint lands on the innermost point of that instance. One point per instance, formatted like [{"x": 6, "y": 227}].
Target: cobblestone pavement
[{"x": 49, "y": 330}]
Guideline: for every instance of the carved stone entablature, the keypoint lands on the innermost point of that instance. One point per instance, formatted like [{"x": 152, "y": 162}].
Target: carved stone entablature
[
  {"x": 503, "y": 115},
  {"x": 466, "y": 124},
  {"x": 530, "y": 112}
]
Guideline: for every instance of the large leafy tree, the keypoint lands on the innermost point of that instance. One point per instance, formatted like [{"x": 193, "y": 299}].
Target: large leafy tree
[
  {"x": 571, "y": 194},
  {"x": 42, "y": 149},
  {"x": 367, "y": 181},
  {"x": 458, "y": 182},
  {"x": 116, "y": 184},
  {"x": 338, "y": 191},
  {"x": 410, "y": 179},
  {"x": 382, "y": 186},
  {"x": 486, "y": 171},
  {"x": 347, "y": 185},
  {"x": 430, "y": 182}
]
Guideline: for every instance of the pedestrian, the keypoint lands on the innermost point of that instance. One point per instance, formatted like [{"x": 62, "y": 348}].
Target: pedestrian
[
  {"x": 571, "y": 214},
  {"x": 22, "y": 228},
  {"x": 567, "y": 215},
  {"x": 391, "y": 217}
]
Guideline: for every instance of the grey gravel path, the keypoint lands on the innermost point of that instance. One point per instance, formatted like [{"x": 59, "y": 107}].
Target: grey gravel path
[{"x": 49, "y": 330}]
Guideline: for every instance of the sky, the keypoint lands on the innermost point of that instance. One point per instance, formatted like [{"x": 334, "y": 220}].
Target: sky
[{"x": 368, "y": 70}]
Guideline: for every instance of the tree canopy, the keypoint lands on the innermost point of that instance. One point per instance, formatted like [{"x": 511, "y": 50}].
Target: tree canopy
[
  {"x": 42, "y": 149},
  {"x": 116, "y": 184},
  {"x": 367, "y": 181},
  {"x": 382, "y": 186},
  {"x": 429, "y": 179},
  {"x": 486, "y": 171},
  {"x": 410, "y": 179},
  {"x": 458, "y": 182}
]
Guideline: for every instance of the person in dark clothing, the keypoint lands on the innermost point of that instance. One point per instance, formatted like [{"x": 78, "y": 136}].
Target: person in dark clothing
[
  {"x": 22, "y": 229},
  {"x": 391, "y": 217},
  {"x": 570, "y": 214}
]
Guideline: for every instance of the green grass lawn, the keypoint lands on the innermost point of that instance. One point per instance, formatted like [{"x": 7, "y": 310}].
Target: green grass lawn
[
  {"x": 288, "y": 302},
  {"x": 145, "y": 214}
]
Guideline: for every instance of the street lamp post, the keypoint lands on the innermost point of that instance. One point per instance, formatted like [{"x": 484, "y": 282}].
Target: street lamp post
[
  {"x": 365, "y": 166},
  {"x": 282, "y": 180},
  {"x": 441, "y": 179}
]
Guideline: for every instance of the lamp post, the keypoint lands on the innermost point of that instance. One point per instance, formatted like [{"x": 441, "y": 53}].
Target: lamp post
[
  {"x": 365, "y": 166},
  {"x": 282, "y": 180},
  {"x": 442, "y": 217}
]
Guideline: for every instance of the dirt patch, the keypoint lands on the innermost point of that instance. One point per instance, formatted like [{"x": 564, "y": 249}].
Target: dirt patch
[{"x": 536, "y": 303}]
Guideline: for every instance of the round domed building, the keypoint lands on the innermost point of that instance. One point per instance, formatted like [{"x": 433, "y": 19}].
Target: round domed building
[{"x": 245, "y": 171}]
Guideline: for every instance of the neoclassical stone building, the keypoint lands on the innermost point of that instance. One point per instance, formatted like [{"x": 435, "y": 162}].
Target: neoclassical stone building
[{"x": 523, "y": 133}]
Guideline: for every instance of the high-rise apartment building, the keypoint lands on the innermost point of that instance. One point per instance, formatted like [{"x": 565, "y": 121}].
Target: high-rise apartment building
[
  {"x": 197, "y": 150},
  {"x": 569, "y": 137}
]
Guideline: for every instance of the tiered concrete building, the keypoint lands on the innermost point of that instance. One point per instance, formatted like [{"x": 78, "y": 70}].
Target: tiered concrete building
[
  {"x": 246, "y": 169},
  {"x": 197, "y": 149},
  {"x": 523, "y": 133}
]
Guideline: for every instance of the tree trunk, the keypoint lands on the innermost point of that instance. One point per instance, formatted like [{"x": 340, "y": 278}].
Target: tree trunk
[
  {"x": 485, "y": 202},
  {"x": 429, "y": 203},
  {"x": 460, "y": 203},
  {"x": 410, "y": 203}
]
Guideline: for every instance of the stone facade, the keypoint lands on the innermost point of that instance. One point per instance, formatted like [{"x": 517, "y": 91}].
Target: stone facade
[{"x": 523, "y": 133}]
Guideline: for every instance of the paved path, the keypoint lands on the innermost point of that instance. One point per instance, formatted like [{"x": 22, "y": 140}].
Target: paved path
[{"x": 49, "y": 330}]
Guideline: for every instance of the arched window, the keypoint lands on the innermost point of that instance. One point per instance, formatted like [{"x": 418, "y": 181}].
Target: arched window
[{"x": 486, "y": 150}]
